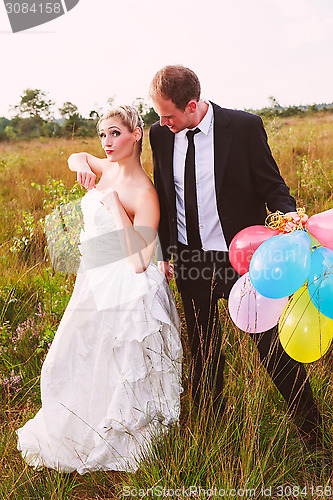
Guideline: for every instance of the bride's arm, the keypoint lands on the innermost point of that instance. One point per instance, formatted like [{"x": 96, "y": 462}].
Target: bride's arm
[
  {"x": 137, "y": 238},
  {"x": 88, "y": 167}
]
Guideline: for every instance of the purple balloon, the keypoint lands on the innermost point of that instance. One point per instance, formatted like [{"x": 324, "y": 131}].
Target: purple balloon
[{"x": 251, "y": 311}]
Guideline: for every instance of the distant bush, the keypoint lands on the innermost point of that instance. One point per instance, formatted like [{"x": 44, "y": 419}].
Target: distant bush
[
  {"x": 278, "y": 111},
  {"x": 4, "y": 122}
]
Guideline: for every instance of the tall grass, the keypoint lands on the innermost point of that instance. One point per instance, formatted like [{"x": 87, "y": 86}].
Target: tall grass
[
  {"x": 303, "y": 149},
  {"x": 254, "y": 444}
]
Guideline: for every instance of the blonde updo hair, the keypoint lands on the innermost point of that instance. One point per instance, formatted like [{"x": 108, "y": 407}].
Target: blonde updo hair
[{"x": 129, "y": 116}]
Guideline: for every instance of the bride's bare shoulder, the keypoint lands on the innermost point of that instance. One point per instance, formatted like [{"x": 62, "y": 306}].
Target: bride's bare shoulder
[
  {"x": 145, "y": 192},
  {"x": 147, "y": 185}
]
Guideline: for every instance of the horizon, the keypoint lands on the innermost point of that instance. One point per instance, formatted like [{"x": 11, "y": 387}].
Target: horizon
[{"x": 303, "y": 107}]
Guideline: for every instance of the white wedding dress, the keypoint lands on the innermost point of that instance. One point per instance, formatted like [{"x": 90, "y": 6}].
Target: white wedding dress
[{"x": 111, "y": 380}]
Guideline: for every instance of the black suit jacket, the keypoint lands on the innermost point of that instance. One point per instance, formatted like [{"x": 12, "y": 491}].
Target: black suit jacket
[{"x": 246, "y": 176}]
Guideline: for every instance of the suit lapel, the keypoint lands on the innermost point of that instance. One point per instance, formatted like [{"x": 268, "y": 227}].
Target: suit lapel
[{"x": 222, "y": 143}]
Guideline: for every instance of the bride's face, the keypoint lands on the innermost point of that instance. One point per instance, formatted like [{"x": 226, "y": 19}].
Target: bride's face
[{"x": 117, "y": 141}]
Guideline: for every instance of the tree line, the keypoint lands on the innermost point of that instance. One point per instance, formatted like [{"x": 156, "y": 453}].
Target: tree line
[
  {"x": 33, "y": 118},
  {"x": 276, "y": 110}
]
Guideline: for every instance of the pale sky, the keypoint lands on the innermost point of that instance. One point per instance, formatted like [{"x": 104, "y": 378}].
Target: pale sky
[{"x": 242, "y": 50}]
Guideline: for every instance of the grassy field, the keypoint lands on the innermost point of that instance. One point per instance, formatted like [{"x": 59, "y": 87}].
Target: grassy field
[{"x": 254, "y": 450}]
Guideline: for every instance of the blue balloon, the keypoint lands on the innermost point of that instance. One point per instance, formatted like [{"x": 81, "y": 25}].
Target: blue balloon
[
  {"x": 280, "y": 265},
  {"x": 320, "y": 281}
]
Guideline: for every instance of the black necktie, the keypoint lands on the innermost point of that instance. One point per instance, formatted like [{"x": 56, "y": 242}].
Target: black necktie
[{"x": 191, "y": 204}]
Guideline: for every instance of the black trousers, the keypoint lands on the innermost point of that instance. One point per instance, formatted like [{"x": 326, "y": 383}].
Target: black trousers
[{"x": 203, "y": 277}]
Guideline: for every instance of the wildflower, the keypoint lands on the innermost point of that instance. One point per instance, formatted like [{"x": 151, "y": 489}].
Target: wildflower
[{"x": 13, "y": 383}]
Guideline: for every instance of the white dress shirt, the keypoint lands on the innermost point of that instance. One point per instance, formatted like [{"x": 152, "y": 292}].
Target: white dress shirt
[{"x": 210, "y": 228}]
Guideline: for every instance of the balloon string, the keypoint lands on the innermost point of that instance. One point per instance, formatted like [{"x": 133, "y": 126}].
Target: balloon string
[{"x": 279, "y": 220}]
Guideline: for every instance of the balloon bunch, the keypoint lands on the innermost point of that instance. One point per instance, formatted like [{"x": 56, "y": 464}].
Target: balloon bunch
[{"x": 286, "y": 278}]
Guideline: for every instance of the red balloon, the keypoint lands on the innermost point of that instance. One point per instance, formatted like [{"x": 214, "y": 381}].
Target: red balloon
[
  {"x": 320, "y": 226},
  {"x": 245, "y": 243}
]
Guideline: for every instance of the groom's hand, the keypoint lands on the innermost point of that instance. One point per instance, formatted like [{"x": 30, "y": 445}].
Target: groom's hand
[
  {"x": 295, "y": 220},
  {"x": 166, "y": 268}
]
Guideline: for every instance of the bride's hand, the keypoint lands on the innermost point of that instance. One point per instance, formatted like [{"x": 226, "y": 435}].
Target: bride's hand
[
  {"x": 86, "y": 177},
  {"x": 110, "y": 200}
]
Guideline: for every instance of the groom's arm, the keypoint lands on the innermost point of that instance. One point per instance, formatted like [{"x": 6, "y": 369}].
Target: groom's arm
[
  {"x": 162, "y": 254},
  {"x": 162, "y": 248},
  {"x": 267, "y": 180}
]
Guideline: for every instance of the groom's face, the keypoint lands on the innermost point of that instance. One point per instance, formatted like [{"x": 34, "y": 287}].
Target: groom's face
[{"x": 171, "y": 116}]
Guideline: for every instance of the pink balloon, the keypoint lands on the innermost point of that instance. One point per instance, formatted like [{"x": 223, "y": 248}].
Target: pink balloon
[
  {"x": 251, "y": 311},
  {"x": 320, "y": 226},
  {"x": 245, "y": 243}
]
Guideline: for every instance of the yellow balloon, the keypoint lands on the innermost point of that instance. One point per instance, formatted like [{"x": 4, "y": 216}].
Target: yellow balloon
[{"x": 305, "y": 333}]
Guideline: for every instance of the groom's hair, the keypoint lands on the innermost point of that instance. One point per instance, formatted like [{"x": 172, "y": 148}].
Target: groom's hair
[{"x": 177, "y": 83}]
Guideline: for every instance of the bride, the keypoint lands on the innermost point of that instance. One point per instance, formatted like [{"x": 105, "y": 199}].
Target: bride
[{"x": 111, "y": 380}]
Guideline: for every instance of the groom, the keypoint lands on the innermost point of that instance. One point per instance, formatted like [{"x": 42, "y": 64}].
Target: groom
[{"x": 215, "y": 174}]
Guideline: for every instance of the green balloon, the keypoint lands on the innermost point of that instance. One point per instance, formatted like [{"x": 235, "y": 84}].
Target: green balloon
[{"x": 314, "y": 243}]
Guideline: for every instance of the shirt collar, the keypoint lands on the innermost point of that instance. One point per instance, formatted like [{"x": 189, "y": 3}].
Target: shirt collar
[
  {"x": 207, "y": 120},
  {"x": 205, "y": 123}
]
